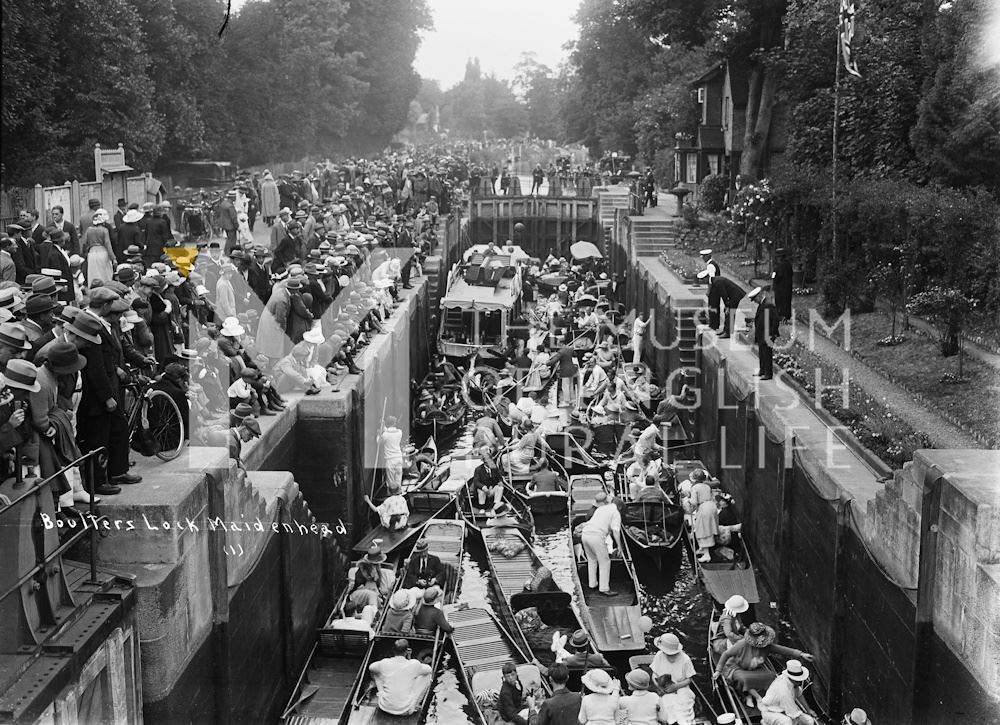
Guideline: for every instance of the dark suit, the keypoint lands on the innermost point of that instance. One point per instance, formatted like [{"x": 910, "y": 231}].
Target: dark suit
[
  {"x": 49, "y": 257},
  {"x": 765, "y": 330},
  {"x": 96, "y": 426},
  {"x": 783, "y": 289},
  {"x": 427, "y": 567},
  {"x": 24, "y": 258},
  {"x": 259, "y": 280},
  {"x": 71, "y": 238},
  {"x": 157, "y": 235},
  {"x": 729, "y": 293}
]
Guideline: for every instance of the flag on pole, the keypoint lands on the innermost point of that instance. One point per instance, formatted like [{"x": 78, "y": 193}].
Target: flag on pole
[{"x": 848, "y": 10}]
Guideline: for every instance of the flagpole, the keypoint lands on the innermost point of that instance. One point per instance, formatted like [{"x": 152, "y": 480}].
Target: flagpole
[{"x": 836, "y": 119}]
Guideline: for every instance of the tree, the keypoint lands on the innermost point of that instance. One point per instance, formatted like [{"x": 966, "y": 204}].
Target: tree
[
  {"x": 892, "y": 276},
  {"x": 538, "y": 87},
  {"x": 948, "y": 309},
  {"x": 957, "y": 132},
  {"x": 384, "y": 38}
]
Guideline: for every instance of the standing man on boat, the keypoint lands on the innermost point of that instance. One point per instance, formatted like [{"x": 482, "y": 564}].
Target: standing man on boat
[
  {"x": 605, "y": 521},
  {"x": 565, "y": 361},
  {"x": 401, "y": 682},
  {"x": 638, "y": 332},
  {"x": 392, "y": 452}
]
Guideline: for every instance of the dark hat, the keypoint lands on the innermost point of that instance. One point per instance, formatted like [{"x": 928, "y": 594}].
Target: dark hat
[
  {"x": 759, "y": 635},
  {"x": 43, "y": 286},
  {"x": 68, "y": 313},
  {"x": 241, "y": 411},
  {"x": 86, "y": 326},
  {"x": 374, "y": 555},
  {"x": 579, "y": 640},
  {"x": 56, "y": 235},
  {"x": 252, "y": 425},
  {"x": 64, "y": 359},
  {"x": 421, "y": 546},
  {"x": 126, "y": 275},
  {"x": 103, "y": 295},
  {"x": 37, "y": 304}
]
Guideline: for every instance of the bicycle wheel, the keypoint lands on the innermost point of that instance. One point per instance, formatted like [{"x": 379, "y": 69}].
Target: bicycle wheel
[{"x": 165, "y": 424}]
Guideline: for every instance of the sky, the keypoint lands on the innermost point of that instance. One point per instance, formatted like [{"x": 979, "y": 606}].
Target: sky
[{"x": 495, "y": 31}]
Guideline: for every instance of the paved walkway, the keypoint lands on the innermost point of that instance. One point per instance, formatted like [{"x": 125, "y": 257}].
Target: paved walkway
[{"x": 919, "y": 416}]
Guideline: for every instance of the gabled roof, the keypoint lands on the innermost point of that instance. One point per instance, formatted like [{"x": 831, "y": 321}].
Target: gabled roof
[{"x": 708, "y": 76}]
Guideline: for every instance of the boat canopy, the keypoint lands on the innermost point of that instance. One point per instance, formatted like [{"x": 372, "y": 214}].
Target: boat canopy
[{"x": 515, "y": 254}]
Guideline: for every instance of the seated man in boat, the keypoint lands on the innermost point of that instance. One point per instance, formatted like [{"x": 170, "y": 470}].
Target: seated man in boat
[
  {"x": 562, "y": 707},
  {"x": 544, "y": 480},
  {"x": 729, "y": 523},
  {"x": 604, "y": 522},
  {"x": 782, "y": 703},
  {"x": 580, "y": 654},
  {"x": 423, "y": 568},
  {"x": 401, "y": 682},
  {"x": 635, "y": 475},
  {"x": 652, "y": 491},
  {"x": 427, "y": 405},
  {"x": 605, "y": 356},
  {"x": 356, "y": 619},
  {"x": 393, "y": 512},
  {"x": 399, "y": 616},
  {"x": 514, "y": 705},
  {"x": 742, "y": 665},
  {"x": 487, "y": 481},
  {"x": 427, "y": 616}
]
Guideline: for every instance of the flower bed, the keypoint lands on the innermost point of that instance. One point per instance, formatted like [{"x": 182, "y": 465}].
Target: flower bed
[{"x": 877, "y": 428}]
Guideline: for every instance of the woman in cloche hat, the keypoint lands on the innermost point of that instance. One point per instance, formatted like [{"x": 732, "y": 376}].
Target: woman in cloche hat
[{"x": 673, "y": 672}]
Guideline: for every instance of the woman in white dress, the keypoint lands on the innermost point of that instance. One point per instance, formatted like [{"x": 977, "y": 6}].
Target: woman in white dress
[
  {"x": 98, "y": 253},
  {"x": 673, "y": 672}
]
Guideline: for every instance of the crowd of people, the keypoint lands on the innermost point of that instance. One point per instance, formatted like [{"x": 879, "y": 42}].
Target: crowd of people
[{"x": 227, "y": 328}]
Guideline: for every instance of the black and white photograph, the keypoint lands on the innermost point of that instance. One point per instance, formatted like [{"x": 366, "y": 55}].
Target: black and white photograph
[{"x": 537, "y": 362}]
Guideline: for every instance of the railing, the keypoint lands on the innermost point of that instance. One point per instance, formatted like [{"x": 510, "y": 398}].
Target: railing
[{"x": 88, "y": 458}]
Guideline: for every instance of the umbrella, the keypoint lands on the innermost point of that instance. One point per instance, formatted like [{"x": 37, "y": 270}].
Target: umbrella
[{"x": 585, "y": 250}]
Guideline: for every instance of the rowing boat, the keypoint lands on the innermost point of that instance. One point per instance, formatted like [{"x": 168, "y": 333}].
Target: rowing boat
[
  {"x": 613, "y": 622},
  {"x": 731, "y": 570},
  {"x": 441, "y": 424},
  {"x": 542, "y": 503},
  {"x": 424, "y": 505},
  {"x": 704, "y": 712},
  {"x": 480, "y": 518},
  {"x": 482, "y": 647},
  {"x": 571, "y": 455},
  {"x": 653, "y": 528},
  {"x": 446, "y": 540}
]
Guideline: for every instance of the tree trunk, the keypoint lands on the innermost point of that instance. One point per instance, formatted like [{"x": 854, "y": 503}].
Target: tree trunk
[{"x": 760, "y": 109}]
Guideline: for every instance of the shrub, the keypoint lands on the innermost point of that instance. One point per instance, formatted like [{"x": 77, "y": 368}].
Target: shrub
[
  {"x": 712, "y": 193},
  {"x": 948, "y": 309}
]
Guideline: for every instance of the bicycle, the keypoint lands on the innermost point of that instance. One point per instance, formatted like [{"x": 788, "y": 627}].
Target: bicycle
[{"x": 156, "y": 414}]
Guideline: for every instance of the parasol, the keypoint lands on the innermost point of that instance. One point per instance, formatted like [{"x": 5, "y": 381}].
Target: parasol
[{"x": 585, "y": 250}]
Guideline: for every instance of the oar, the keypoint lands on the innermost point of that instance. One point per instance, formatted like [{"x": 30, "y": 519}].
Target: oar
[{"x": 378, "y": 446}]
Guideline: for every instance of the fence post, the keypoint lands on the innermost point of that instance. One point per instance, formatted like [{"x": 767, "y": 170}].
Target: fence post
[
  {"x": 39, "y": 193},
  {"x": 74, "y": 200}
]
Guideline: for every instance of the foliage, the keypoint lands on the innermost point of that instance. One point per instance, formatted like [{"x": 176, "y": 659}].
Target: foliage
[
  {"x": 946, "y": 307},
  {"x": 891, "y": 276},
  {"x": 957, "y": 134},
  {"x": 712, "y": 192},
  {"x": 539, "y": 88},
  {"x": 287, "y": 77},
  {"x": 481, "y": 104}
]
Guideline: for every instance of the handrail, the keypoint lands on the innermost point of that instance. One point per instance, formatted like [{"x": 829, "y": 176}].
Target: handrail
[
  {"x": 89, "y": 456},
  {"x": 39, "y": 484}
]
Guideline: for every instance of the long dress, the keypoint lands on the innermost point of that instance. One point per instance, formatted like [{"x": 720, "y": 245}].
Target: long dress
[
  {"x": 678, "y": 707},
  {"x": 98, "y": 252},
  {"x": 270, "y": 199}
]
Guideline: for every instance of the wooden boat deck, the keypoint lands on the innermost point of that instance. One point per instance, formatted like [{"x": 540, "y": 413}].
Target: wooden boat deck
[
  {"x": 613, "y": 622},
  {"x": 481, "y": 645},
  {"x": 511, "y": 573}
]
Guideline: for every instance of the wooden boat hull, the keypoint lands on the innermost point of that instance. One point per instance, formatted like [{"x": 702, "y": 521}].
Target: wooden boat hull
[
  {"x": 482, "y": 646},
  {"x": 723, "y": 579},
  {"x": 446, "y": 539},
  {"x": 470, "y": 511},
  {"x": 704, "y": 711},
  {"x": 613, "y": 622},
  {"x": 442, "y": 430},
  {"x": 424, "y": 506}
]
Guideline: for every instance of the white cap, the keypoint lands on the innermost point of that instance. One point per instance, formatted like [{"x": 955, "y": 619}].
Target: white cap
[
  {"x": 705, "y": 251},
  {"x": 754, "y": 292}
]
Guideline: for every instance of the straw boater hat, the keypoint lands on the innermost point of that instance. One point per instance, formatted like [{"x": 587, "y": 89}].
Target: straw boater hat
[
  {"x": 231, "y": 327},
  {"x": 857, "y": 717},
  {"x": 795, "y": 671},
  {"x": 13, "y": 335},
  {"x": 737, "y": 604},
  {"x": 759, "y": 635},
  {"x": 598, "y": 681},
  {"x": 668, "y": 643},
  {"x": 421, "y": 546},
  {"x": 726, "y": 718},
  {"x": 638, "y": 679},
  {"x": 754, "y": 292},
  {"x": 706, "y": 252},
  {"x": 374, "y": 555},
  {"x": 23, "y": 375},
  {"x": 401, "y": 600}
]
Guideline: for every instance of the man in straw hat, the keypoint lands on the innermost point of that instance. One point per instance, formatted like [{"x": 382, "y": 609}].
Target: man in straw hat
[
  {"x": 857, "y": 716},
  {"x": 782, "y": 704},
  {"x": 401, "y": 682}
]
